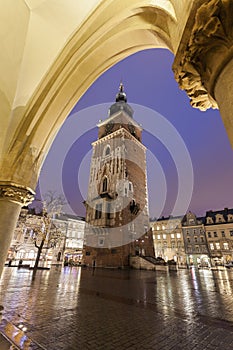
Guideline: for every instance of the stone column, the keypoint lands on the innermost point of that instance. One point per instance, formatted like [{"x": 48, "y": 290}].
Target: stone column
[
  {"x": 203, "y": 65},
  {"x": 12, "y": 198}
]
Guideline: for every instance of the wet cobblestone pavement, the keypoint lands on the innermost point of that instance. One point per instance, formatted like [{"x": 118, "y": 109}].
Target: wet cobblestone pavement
[{"x": 74, "y": 308}]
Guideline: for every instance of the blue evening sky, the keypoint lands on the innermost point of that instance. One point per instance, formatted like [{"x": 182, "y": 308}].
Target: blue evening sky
[{"x": 149, "y": 82}]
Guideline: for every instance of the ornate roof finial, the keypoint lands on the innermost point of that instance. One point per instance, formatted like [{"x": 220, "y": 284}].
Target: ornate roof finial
[
  {"x": 121, "y": 87},
  {"x": 121, "y": 96}
]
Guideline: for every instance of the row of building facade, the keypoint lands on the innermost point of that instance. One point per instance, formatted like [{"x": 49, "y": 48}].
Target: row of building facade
[
  {"x": 67, "y": 244},
  {"x": 189, "y": 240}
]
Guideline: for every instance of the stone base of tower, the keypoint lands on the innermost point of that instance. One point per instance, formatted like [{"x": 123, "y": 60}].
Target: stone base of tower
[{"x": 118, "y": 257}]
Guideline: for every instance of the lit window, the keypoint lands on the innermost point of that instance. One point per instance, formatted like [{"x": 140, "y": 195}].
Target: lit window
[
  {"x": 158, "y": 237},
  {"x": 218, "y": 245},
  {"x": 164, "y": 236},
  {"x": 163, "y": 227},
  {"x": 178, "y": 235},
  {"x": 212, "y": 246},
  {"x": 158, "y": 228},
  {"x": 225, "y": 246},
  {"x": 172, "y": 235}
]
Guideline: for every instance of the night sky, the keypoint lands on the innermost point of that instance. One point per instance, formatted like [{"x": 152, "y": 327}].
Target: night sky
[{"x": 190, "y": 160}]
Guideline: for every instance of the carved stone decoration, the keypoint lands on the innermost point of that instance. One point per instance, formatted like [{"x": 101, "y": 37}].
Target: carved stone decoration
[
  {"x": 209, "y": 48},
  {"x": 15, "y": 193}
]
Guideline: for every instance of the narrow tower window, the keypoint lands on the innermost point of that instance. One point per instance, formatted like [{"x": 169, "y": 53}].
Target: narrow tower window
[
  {"x": 107, "y": 151},
  {"x": 98, "y": 211},
  {"x": 105, "y": 184}
]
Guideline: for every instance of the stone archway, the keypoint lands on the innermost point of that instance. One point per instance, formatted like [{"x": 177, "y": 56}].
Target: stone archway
[{"x": 48, "y": 74}]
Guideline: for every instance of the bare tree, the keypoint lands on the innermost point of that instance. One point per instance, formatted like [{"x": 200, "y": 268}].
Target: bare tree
[
  {"x": 46, "y": 236},
  {"x": 53, "y": 202}
]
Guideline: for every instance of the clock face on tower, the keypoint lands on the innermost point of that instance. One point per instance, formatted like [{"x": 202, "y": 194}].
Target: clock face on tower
[{"x": 109, "y": 127}]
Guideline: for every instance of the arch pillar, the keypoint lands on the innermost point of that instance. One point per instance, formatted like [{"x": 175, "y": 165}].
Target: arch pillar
[
  {"x": 12, "y": 198},
  {"x": 203, "y": 64}
]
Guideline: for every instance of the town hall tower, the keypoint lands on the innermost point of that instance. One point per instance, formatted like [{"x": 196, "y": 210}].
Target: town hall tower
[{"x": 117, "y": 221}]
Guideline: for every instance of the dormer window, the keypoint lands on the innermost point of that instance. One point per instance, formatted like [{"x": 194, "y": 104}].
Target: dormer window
[
  {"x": 219, "y": 218},
  {"x": 209, "y": 220}
]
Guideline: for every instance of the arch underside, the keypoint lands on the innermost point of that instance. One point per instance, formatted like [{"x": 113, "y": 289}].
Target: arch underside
[{"x": 94, "y": 48}]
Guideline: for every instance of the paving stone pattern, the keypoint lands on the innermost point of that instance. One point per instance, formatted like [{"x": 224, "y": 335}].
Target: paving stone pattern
[{"x": 78, "y": 308}]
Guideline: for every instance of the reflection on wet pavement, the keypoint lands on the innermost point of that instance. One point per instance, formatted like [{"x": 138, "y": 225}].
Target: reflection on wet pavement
[{"x": 77, "y": 308}]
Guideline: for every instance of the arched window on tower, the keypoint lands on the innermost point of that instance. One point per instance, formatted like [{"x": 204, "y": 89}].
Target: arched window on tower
[{"x": 105, "y": 184}]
